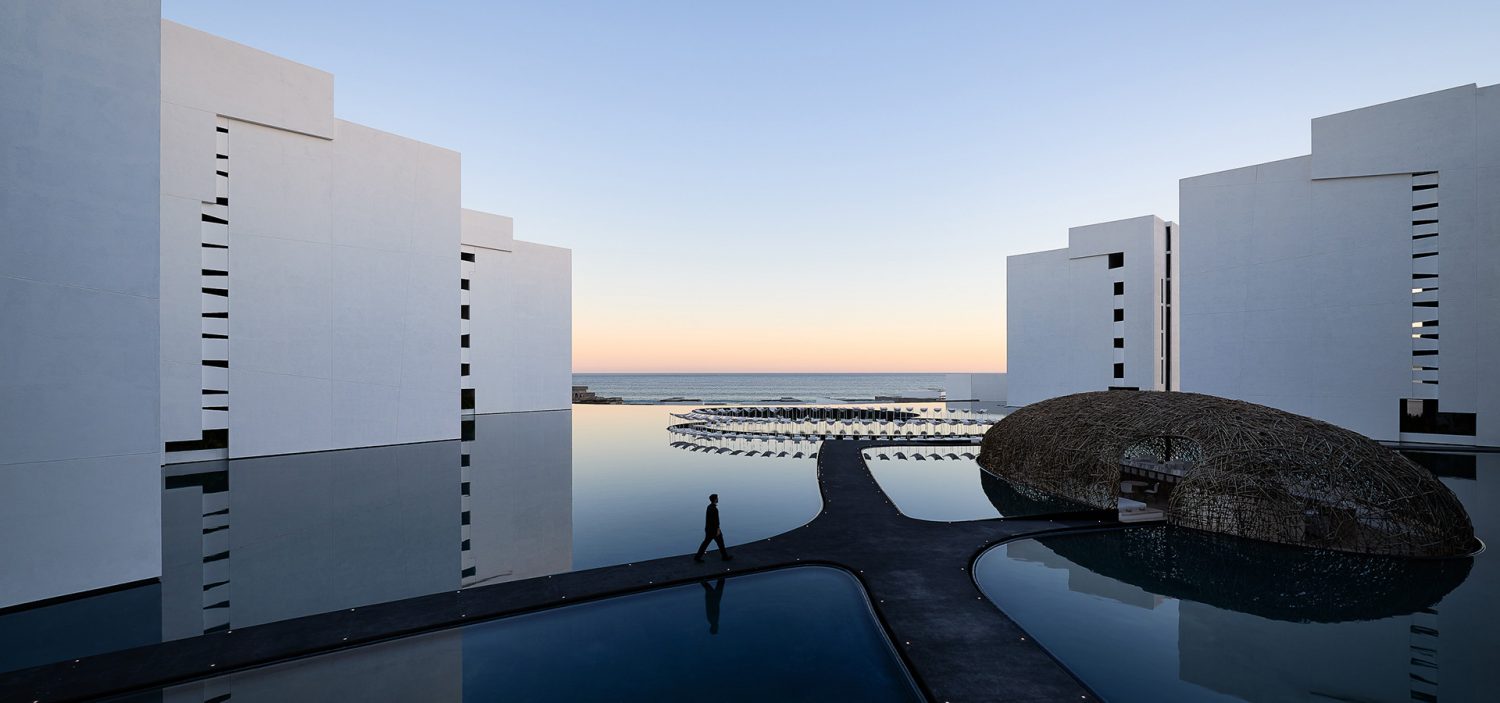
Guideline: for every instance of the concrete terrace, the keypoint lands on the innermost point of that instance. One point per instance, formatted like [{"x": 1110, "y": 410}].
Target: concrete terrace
[{"x": 958, "y": 645}]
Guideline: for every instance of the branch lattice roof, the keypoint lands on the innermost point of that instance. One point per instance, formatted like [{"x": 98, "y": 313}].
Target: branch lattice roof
[{"x": 1255, "y": 471}]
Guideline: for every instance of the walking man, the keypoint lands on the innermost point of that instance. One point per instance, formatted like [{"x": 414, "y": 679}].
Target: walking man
[{"x": 711, "y": 531}]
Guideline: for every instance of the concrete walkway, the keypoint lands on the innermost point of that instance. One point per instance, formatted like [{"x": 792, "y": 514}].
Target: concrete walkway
[{"x": 958, "y": 646}]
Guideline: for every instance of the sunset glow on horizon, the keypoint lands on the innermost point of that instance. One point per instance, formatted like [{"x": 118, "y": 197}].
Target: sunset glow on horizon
[{"x": 856, "y": 343}]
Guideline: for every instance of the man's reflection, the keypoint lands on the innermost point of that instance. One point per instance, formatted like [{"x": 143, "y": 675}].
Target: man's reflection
[{"x": 712, "y": 595}]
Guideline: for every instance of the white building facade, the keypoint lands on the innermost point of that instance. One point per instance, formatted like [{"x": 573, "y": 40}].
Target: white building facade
[
  {"x": 1359, "y": 284},
  {"x": 332, "y": 265},
  {"x": 1095, "y": 315},
  {"x": 199, "y": 261},
  {"x": 80, "y": 451}
]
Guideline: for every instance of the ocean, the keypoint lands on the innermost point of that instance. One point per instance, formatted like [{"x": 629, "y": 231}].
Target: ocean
[{"x": 757, "y": 387}]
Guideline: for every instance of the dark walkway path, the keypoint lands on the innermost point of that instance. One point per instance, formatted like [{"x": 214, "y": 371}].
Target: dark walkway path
[{"x": 958, "y": 645}]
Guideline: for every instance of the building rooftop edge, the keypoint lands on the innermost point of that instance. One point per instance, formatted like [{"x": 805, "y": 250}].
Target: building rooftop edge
[{"x": 278, "y": 57}]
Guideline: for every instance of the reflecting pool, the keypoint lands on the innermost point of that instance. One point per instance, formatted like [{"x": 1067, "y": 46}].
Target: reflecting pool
[
  {"x": 805, "y": 633},
  {"x": 636, "y": 497},
  {"x": 950, "y": 490},
  {"x": 252, "y": 541},
  {"x": 1162, "y": 613},
  {"x": 941, "y": 489}
]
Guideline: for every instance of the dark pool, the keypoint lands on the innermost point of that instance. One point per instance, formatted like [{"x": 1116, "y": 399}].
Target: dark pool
[
  {"x": 799, "y": 634},
  {"x": 1167, "y": 614}
]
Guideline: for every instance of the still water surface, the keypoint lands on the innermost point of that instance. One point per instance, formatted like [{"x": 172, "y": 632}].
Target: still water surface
[
  {"x": 253, "y": 541},
  {"x": 799, "y": 634},
  {"x": 1167, "y": 614}
]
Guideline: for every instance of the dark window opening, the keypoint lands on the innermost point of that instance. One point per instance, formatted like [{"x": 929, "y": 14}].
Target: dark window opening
[
  {"x": 1425, "y": 304},
  {"x": 1427, "y": 206},
  {"x": 206, "y": 245},
  {"x": 464, "y": 544},
  {"x": 215, "y": 220},
  {"x": 463, "y": 341},
  {"x": 1119, "y": 288},
  {"x": 1424, "y": 222},
  {"x": 466, "y": 428},
  {"x": 463, "y": 369},
  {"x": 211, "y": 439},
  {"x": 463, "y": 519},
  {"x": 470, "y": 571},
  {"x": 1423, "y": 416},
  {"x": 1424, "y": 236},
  {"x": 216, "y": 407},
  {"x": 1447, "y": 465},
  {"x": 1420, "y": 276},
  {"x": 463, "y": 312},
  {"x": 221, "y": 292},
  {"x": 1117, "y": 259},
  {"x": 466, "y": 401},
  {"x": 221, "y": 201},
  {"x": 1124, "y": 388},
  {"x": 207, "y": 391},
  {"x": 1429, "y": 186},
  {"x": 1424, "y": 255},
  {"x": 217, "y": 363},
  {"x": 1119, "y": 314},
  {"x": 1119, "y": 342},
  {"x": 210, "y": 335},
  {"x": 464, "y": 284},
  {"x": 223, "y": 173},
  {"x": 1424, "y": 352},
  {"x": 214, "y": 272},
  {"x": 466, "y": 256},
  {"x": 217, "y": 315},
  {"x": 1119, "y": 371}
]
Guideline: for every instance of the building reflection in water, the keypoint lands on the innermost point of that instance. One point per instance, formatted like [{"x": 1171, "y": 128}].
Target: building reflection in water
[
  {"x": 1262, "y": 622},
  {"x": 1435, "y": 647},
  {"x": 252, "y": 541}
]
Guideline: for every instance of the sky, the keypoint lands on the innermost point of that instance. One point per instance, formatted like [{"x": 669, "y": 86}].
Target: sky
[{"x": 834, "y": 186}]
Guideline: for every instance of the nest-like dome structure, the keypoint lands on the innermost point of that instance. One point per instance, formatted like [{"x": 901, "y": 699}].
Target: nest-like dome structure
[{"x": 1241, "y": 469}]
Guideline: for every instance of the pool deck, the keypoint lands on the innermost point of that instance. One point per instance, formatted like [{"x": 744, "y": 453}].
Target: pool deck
[{"x": 958, "y": 645}]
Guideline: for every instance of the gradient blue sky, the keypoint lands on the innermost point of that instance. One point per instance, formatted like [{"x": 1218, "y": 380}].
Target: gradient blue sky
[{"x": 831, "y": 186}]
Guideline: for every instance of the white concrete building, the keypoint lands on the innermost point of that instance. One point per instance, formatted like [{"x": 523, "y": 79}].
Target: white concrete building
[
  {"x": 1317, "y": 284},
  {"x": 1095, "y": 315},
  {"x": 517, "y": 320},
  {"x": 328, "y": 250},
  {"x": 199, "y": 261},
  {"x": 80, "y": 450},
  {"x": 982, "y": 387}
]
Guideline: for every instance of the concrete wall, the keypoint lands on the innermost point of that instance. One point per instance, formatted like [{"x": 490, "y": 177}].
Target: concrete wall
[
  {"x": 340, "y": 257},
  {"x": 1298, "y": 276},
  {"x": 520, "y": 319},
  {"x": 79, "y": 448},
  {"x": 1061, "y": 327},
  {"x": 975, "y": 386}
]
